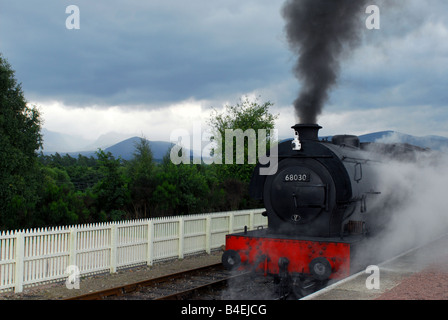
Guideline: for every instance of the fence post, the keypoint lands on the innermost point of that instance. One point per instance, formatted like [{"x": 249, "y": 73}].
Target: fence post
[
  {"x": 113, "y": 248},
  {"x": 251, "y": 219},
  {"x": 181, "y": 238},
  {"x": 73, "y": 236},
  {"x": 150, "y": 249},
  {"x": 19, "y": 257},
  {"x": 231, "y": 221},
  {"x": 208, "y": 234}
]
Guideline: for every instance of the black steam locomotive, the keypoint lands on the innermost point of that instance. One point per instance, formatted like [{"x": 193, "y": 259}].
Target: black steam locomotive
[
  {"x": 317, "y": 205},
  {"x": 319, "y": 186}
]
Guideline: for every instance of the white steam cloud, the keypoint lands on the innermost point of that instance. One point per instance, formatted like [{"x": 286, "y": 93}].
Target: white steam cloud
[{"x": 412, "y": 207}]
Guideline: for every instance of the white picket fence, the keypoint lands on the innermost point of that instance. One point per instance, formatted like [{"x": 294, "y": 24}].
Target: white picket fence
[{"x": 36, "y": 256}]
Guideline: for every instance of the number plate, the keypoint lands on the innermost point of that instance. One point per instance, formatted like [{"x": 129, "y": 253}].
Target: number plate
[{"x": 297, "y": 177}]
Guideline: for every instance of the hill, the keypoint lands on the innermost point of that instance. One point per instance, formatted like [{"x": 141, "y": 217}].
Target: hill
[
  {"x": 125, "y": 149},
  {"x": 432, "y": 142},
  {"x": 63, "y": 143}
]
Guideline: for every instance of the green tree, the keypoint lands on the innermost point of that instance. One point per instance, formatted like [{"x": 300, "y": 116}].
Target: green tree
[
  {"x": 181, "y": 189},
  {"x": 246, "y": 116},
  {"x": 20, "y": 138},
  {"x": 165, "y": 199},
  {"x": 58, "y": 204},
  {"x": 112, "y": 190},
  {"x": 141, "y": 175},
  {"x": 83, "y": 172},
  {"x": 193, "y": 189}
]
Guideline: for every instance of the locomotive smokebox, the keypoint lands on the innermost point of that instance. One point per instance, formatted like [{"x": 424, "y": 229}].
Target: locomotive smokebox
[{"x": 307, "y": 131}]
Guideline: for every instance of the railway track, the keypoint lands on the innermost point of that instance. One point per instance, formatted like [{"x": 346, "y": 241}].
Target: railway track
[
  {"x": 211, "y": 282},
  {"x": 188, "y": 284}
]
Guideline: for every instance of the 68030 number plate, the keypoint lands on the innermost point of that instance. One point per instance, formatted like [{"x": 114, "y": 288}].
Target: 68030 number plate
[{"x": 297, "y": 177}]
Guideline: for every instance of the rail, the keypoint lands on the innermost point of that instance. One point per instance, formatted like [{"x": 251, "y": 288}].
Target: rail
[{"x": 130, "y": 288}]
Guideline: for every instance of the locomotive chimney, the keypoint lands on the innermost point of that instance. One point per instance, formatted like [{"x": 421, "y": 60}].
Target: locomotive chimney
[{"x": 307, "y": 131}]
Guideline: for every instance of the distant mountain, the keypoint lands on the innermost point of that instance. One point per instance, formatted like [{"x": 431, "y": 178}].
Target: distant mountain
[
  {"x": 66, "y": 143},
  {"x": 60, "y": 142},
  {"x": 126, "y": 149},
  {"x": 107, "y": 140},
  {"x": 119, "y": 145},
  {"x": 432, "y": 142},
  {"x": 372, "y": 137}
]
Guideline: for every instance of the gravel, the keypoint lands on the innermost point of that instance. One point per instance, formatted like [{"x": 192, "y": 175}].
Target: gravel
[
  {"x": 58, "y": 290},
  {"x": 429, "y": 284}
]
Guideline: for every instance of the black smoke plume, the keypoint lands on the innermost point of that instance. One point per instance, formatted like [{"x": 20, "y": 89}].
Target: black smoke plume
[{"x": 320, "y": 31}]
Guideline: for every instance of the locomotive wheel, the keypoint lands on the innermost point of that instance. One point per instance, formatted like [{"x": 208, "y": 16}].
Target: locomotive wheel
[
  {"x": 231, "y": 260},
  {"x": 320, "y": 268}
]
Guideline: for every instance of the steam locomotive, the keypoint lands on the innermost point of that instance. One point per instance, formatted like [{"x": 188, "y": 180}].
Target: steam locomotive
[{"x": 317, "y": 204}]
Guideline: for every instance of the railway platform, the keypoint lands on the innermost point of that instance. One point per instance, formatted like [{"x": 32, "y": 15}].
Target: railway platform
[{"x": 417, "y": 274}]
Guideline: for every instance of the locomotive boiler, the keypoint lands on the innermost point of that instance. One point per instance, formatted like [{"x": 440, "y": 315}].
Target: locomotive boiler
[{"x": 317, "y": 205}]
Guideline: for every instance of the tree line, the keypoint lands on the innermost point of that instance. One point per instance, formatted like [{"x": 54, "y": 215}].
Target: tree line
[{"x": 103, "y": 188}]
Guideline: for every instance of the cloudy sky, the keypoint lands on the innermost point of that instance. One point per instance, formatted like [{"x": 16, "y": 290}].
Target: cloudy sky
[{"x": 147, "y": 68}]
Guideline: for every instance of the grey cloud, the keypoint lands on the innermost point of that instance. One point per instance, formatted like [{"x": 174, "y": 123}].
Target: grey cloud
[
  {"x": 130, "y": 52},
  {"x": 151, "y": 53},
  {"x": 403, "y": 64}
]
